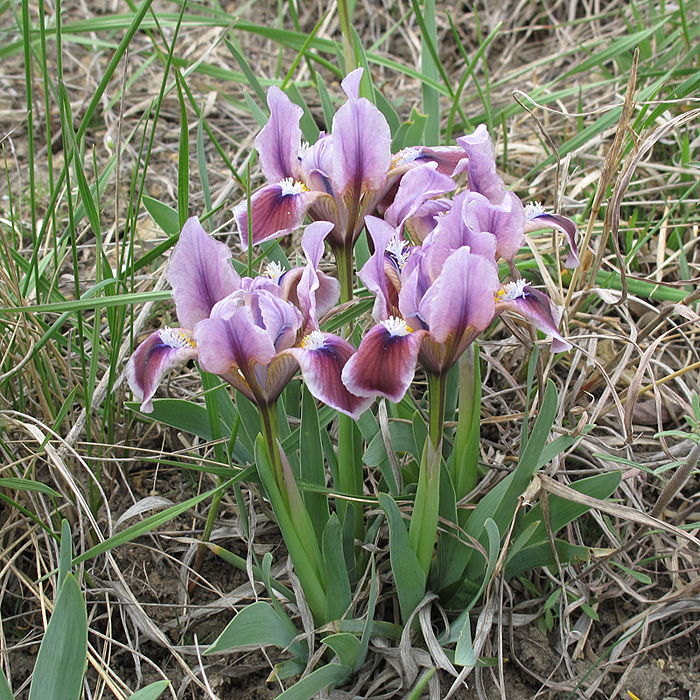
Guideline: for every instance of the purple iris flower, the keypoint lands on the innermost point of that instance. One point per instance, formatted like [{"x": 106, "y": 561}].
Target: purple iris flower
[
  {"x": 253, "y": 332},
  {"x": 432, "y": 301},
  {"x": 483, "y": 178},
  {"x": 341, "y": 178}
]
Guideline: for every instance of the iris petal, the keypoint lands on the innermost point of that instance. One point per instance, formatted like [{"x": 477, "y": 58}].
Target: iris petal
[
  {"x": 481, "y": 166},
  {"x": 533, "y": 306},
  {"x": 317, "y": 293},
  {"x": 276, "y": 211},
  {"x": 461, "y": 298},
  {"x": 537, "y": 219},
  {"x": 373, "y": 273},
  {"x": 322, "y": 358},
  {"x": 361, "y": 149},
  {"x": 158, "y": 354},
  {"x": 505, "y": 220},
  {"x": 232, "y": 339},
  {"x": 200, "y": 273},
  {"x": 385, "y": 362},
  {"x": 417, "y": 186},
  {"x": 279, "y": 140}
]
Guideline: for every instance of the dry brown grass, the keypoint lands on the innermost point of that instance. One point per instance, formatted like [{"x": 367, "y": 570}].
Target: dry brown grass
[{"x": 632, "y": 373}]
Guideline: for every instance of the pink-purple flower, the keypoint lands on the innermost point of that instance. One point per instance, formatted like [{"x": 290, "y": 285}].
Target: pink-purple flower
[
  {"x": 253, "y": 332},
  {"x": 341, "y": 178},
  {"x": 432, "y": 301}
]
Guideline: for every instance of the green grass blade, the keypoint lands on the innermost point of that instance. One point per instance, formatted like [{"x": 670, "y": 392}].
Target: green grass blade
[
  {"x": 60, "y": 664},
  {"x": 150, "y": 692}
]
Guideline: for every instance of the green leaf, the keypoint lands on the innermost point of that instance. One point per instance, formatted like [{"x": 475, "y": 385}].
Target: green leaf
[
  {"x": 464, "y": 652},
  {"x": 408, "y": 573},
  {"x": 378, "y": 628},
  {"x": 417, "y": 691},
  {"x": 256, "y": 625},
  {"x": 369, "y": 623},
  {"x": 541, "y": 554},
  {"x": 410, "y": 133},
  {"x": 193, "y": 418},
  {"x": 612, "y": 50},
  {"x": 430, "y": 67},
  {"x": 345, "y": 646},
  {"x": 14, "y": 483},
  {"x": 247, "y": 71},
  {"x": 590, "y": 611},
  {"x": 338, "y": 593},
  {"x": 402, "y": 440},
  {"x": 183, "y": 165},
  {"x": 387, "y": 109},
  {"x": 316, "y": 681},
  {"x": 326, "y": 103},
  {"x": 297, "y": 531},
  {"x": 638, "y": 575},
  {"x": 562, "y": 511},
  {"x": 311, "y": 462},
  {"x": 150, "y": 692},
  {"x": 308, "y": 125},
  {"x": 65, "y": 557},
  {"x": 500, "y": 503},
  {"x": 60, "y": 664},
  {"x": 202, "y": 165},
  {"x": 152, "y": 522},
  {"x": 502, "y": 508},
  {"x": 260, "y": 116},
  {"x": 5, "y": 690},
  {"x": 165, "y": 216}
]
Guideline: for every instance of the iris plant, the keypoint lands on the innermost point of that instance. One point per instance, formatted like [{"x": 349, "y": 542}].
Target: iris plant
[
  {"x": 433, "y": 271},
  {"x": 256, "y": 333}
]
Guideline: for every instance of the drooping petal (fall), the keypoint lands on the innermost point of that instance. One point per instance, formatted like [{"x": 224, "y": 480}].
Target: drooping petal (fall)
[
  {"x": 200, "y": 273},
  {"x": 385, "y": 362},
  {"x": 279, "y": 140},
  {"x": 535, "y": 307},
  {"x": 322, "y": 357},
  {"x": 276, "y": 210},
  {"x": 159, "y": 353},
  {"x": 536, "y": 219}
]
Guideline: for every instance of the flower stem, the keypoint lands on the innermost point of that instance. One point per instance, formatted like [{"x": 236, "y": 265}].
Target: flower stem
[
  {"x": 423, "y": 528},
  {"x": 270, "y": 431},
  {"x": 437, "y": 384},
  {"x": 349, "y": 438},
  {"x": 465, "y": 455},
  {"x": 344, "y": 259},
  {"x": 345, "y": 27}
]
